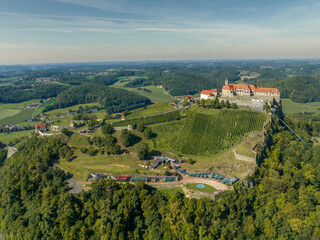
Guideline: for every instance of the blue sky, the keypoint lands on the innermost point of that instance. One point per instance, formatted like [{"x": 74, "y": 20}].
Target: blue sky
[{"x": 44, "y": 31}]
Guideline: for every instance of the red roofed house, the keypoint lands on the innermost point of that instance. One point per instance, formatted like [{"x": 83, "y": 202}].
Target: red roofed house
[
  {"x": 40, "y": 127},
  {"x": 208, "y": 94},
  {"x": 189, "y": 98},
  {"x": 123, "y": 117}
]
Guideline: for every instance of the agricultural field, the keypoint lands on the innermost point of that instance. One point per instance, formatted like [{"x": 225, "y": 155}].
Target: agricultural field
[
  {"x": 223, "y": 162},
  {"x": 150, "y": 110},
  {"x": 226, "y": 163},
  {"x": 156, "y": 94},
  {"x": 207, "y": 135},
  {"x": 19, "y": 117},
  {"x": 10, "y": 109},
  {"x": 152, "y": 119},
  {"x": 42, "y": 107},
  {"x": 290, "y": 107}
]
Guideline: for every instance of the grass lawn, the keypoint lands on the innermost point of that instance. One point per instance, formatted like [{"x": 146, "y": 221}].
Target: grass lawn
[
  {"x": 289, "y": 107},
  {"x": 78, "y": 140},
  {"x": 114, "y": 165},
  {"x": 150, "y": 110},
  {"x": 206, "y": 189},
  {"x": 10, "y": 137}
]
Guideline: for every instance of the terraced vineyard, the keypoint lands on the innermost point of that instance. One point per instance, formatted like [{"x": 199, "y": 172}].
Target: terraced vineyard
[{"x": 206, "y": 135}]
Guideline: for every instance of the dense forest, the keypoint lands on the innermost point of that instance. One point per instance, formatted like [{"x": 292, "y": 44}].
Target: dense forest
[
  {"x": 298, "y": 88},
  {"x": 179, "y": 83},
  {"x": 281, "y": 200},
  {"x": 114, "y": 100},
  {"x": 10, "y": 94}
]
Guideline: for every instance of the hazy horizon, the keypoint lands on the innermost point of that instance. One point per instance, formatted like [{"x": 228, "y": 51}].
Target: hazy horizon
[{"x": 82, "y": 31}]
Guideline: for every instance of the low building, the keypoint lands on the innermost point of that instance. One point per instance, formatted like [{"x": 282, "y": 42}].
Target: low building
[
  {"x": 208, "y": 94},
  {"x": 123, "y": 117},
  {"x": 40, "y": 127}
]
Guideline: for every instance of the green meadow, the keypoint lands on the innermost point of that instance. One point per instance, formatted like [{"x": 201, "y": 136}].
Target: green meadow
[{"x": 289, "y": 107}]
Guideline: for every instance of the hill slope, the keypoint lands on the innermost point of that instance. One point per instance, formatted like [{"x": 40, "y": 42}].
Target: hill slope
[
  {"x": 207, "y": 135},
  {"x": 115, "y": 100}
]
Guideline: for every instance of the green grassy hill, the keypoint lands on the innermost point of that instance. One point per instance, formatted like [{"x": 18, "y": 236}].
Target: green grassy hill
[{"x": 208, "y": 134}]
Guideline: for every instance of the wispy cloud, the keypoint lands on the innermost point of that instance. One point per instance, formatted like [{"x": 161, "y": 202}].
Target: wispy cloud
[
  {"x": 4, "y": 45},
  {"x": 112, "y": 5}
]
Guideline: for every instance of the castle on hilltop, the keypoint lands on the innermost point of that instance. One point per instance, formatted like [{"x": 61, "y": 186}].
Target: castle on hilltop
[
  {"x": 232, "y": 91},
  {"x": 243, "y": 94}
]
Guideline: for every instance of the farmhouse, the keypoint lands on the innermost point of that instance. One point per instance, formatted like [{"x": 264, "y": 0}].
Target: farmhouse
[{"x": 40, "y": 127}]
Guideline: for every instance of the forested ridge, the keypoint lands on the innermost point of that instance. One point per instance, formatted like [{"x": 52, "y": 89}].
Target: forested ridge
[
  {"x": 298, "y": 88},
  {"x": 11, "y": 94},
  {"x": 179, "y": 83},
  {"x": 281, "y": 200},
  {"x": 115, "y": 100}
]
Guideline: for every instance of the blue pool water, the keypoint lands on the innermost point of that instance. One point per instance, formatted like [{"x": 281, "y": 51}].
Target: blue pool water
[{"x": 200, "y": 186}]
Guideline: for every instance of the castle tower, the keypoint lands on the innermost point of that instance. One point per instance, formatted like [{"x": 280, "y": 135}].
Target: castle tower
[{"x": 226, "y": 82}]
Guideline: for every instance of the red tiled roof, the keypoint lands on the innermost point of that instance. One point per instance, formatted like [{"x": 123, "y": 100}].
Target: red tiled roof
[
  {"x": 209, "y": 92},
  {"x": 233, "y": 87},
  {"x": 253, "y": 87},
  {"x": 40, "y": 125},
  {"x": 206, "y": 92},
  {"x": 173, "y": 103},
  {"x": 123, "y": 116},
  {"x": 273, "y": 90}
]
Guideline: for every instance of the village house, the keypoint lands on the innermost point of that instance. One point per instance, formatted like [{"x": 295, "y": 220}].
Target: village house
[
  {"x": 209, "y": 94},
  {"x": 40, "y": 127},
  {"x": 189, "y": 98},
  {"x": 44, "y": 79}
]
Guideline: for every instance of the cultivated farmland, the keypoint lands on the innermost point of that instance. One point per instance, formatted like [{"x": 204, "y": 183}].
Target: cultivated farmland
[{"x": 206, "y": 135}]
